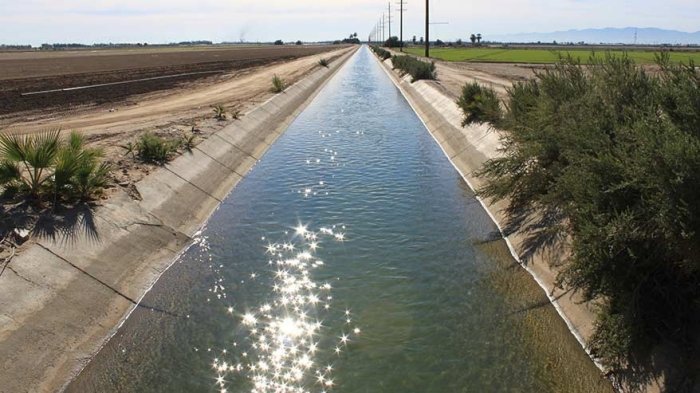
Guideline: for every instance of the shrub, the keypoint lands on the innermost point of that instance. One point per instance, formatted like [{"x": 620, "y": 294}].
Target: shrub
[
  {"x": 28, "y": 160},
  {"x": 219, "y": 112},
  {"x": 152, "y": 148},
  {"x": 382, "y": 53},
  {"x": 479, "y": 105},
  {"x": 278, "y": 84},
  {"x": 604, "y": 161},
  {"x": 42, "y": 164},
  {"x": 323, "y": 62},
  {"x": 279, "y": 42},
  {"x": 416, "y": 68}
]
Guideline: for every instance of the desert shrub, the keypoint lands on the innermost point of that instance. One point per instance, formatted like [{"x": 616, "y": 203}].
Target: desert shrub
[
  {"x": 219, "y": 112},
  {"x": 236, "y": 113},
  {"x": 152, "y": 148},
  {"x": 416, "y": 68},
  {"x": 278, "y": 84},
  {"x": 323, "y": 62},
  {"x": 382, "y": 53},
  {"x": 605, "y": 162},
  {"x": 479, "y": 105}
]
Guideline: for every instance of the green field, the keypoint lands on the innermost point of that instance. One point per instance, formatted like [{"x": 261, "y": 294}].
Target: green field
[{"x": 541, "y": 56}]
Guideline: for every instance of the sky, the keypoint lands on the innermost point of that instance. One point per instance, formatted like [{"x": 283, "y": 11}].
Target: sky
[{"x": 160, "y": 21}]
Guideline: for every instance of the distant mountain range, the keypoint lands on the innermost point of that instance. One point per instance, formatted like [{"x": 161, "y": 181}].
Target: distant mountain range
[{"x": 648, "y": 35}]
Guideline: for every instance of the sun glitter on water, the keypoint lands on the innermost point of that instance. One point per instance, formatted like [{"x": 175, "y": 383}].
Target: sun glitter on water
[{"x": 284, "y": 335}]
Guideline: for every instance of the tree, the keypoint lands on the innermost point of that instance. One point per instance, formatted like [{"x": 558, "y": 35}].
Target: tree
[
  {"x": 478, "y": 38},
  {"x": 603, "y": 163},
  {"x": 392, "y": 42},
  {"x": 279, "y": 42},
  {"x": 414, "y": 40},
  {"x": 459, "y": 42},
  {"x": 473, "y": 39},
  {"x": 439, "y": 43},
  {"x": 299, "y": 42},
  {"x": 421, "y": 41}
]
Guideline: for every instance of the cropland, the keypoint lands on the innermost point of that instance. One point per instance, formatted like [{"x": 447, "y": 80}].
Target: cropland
[
  {"x": 546, "y": 56},
  {"x": 25, "y": 75}
]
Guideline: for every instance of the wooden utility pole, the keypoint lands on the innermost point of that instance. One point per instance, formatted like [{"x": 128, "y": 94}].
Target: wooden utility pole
[
  {"x": 401, "y": 10},
  {"x": 427, "y": 28},
  {"x": 389, "y": 20}
]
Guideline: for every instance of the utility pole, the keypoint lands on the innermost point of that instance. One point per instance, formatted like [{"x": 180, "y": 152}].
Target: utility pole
[
  {"x": 427, "y": 28},
  {"x": 401, "y": 10},
  {"x": 389, "y": 20}
]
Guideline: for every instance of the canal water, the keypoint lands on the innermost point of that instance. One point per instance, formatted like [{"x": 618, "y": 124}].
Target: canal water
[{"x": 352, "y": 258}]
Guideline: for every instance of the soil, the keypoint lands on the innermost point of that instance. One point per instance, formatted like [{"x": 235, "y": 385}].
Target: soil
[
  {"x": 172, "y": 109},
  {"x": 31, "y": 72}
]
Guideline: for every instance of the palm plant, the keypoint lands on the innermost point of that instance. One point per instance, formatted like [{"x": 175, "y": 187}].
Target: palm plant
[
  {"x": 278, "y": 84},
  {"x": 219, "y": 112},
  {"x": 27, "y": 160},
  {"x": 78, "y": 169},
  {"x": 323, "y": 62}
]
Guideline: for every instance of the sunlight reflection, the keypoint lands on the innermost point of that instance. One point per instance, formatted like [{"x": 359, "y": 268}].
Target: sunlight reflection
[{"x": 284, "y": 334}]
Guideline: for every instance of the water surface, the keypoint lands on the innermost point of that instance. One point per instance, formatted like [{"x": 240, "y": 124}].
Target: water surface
[{"x": 352, "y": 258}]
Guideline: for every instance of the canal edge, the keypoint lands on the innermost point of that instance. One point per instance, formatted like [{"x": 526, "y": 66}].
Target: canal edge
[
  {"x": 437, "y": 114},
  {"x": 64, "y": 298}
]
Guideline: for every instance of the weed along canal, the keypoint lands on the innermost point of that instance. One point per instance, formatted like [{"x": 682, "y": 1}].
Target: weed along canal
[{"x": 352, "y": 258}]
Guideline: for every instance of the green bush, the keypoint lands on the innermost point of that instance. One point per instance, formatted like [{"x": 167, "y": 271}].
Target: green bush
[
  {"x": 152, "y": 148},
  {"x": 479, "y": 105},
  {"x": 416, "y": 68},
  {"x": 219, "y": 112},
  {"x": 604, "y": 161},
  {"x": 43, "y": 164},
  {"x": 382, "y": 53},
  {"x": 278, "y": 84}
]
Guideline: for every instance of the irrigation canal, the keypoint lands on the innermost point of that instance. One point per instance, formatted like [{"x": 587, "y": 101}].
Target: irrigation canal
[{"x": 352, "y": 258}]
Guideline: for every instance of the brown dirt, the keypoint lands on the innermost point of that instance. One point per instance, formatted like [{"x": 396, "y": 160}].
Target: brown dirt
[
  {"x": 27, "y": 72},
  {"x": 173, "y": 113}
]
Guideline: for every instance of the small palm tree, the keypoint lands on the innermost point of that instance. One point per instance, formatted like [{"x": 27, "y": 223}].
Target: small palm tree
[
  {"x": 219, "y": 112},
  {"x": 28, "y": 160},
  {"x": 478, "y": 38},
  {"x": 79, "y": 170},
  {"x": 278, "y": 84},
  {"x": 473, "y": 39}
]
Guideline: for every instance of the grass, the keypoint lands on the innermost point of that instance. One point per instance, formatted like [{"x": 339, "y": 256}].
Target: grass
[{"x": 542, "y": 56}]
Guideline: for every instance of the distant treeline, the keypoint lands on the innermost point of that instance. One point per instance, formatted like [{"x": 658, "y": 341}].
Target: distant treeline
[
  {"x": 60, "y": 46},
  {"x": 15, "y": 47}
]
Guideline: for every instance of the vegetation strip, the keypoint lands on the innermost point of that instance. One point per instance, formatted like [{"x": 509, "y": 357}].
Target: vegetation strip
[
  {"x": 603, "y": 162},
  {"x": 547, "y": 56}
]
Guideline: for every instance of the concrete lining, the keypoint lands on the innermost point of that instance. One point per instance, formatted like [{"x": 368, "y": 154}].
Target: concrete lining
[{"x": 63, "y": 296}]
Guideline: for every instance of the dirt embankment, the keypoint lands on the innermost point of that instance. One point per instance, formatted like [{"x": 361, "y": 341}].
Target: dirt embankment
[
  {"x": 183, "y": 110},
  {"x": 25, "y": 75}
]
